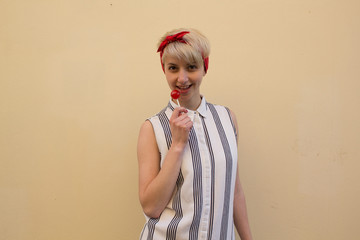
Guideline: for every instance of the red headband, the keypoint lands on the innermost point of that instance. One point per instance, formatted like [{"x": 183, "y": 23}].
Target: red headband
[{"x": 177, "y": 38}]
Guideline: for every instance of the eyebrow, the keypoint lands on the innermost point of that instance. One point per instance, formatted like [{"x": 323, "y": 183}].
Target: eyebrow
[
  {"x": 171, "y": 64},
  {"x": 188, "y": 64}
]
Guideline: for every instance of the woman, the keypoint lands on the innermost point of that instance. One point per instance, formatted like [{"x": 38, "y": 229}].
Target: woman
[{"x": 188, "y": 181}]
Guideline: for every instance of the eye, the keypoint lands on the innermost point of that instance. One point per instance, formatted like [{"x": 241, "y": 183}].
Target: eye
[
  {"x": 172, "y": 68},
  {"x": 192, "y": 67}
]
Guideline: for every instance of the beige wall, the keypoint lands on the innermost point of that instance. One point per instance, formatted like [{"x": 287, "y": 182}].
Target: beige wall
[{"x": 78, "y": 77}]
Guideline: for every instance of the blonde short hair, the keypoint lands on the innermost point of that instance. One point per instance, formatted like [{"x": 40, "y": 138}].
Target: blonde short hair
[{"x": 196, "y": 49}]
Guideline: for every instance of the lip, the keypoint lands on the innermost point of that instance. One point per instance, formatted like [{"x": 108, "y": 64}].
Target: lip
[{"x": 182, "y": 90}]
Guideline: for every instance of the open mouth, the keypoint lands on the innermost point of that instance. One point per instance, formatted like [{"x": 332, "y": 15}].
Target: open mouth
[{"x": 183, "y": 89}]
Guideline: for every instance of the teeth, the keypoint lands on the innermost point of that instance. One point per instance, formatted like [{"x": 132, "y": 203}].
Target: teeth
[{"x": 184, "y": 87}]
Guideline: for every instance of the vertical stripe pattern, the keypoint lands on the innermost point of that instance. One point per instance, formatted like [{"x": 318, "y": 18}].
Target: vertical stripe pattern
[
  {"x": 171, "y": 230},
  {"x": 197, "y": 185},
  {"x": 202, "y": 204},
  {"x": 228, "y": 157},
  {"x": 151, "y": 227},
  {"x": 166, "y": 127}
]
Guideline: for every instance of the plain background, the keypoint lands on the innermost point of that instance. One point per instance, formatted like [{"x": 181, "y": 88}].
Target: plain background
[{"x": 78, "y": 78}]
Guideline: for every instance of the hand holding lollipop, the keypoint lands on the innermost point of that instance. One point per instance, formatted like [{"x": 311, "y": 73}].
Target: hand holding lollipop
[{"x": 175, "y": 94}]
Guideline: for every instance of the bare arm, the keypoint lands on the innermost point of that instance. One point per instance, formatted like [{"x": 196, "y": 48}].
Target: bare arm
[
  {"x": 156, "y": 185},
  {"x": 240, "y": 213}
]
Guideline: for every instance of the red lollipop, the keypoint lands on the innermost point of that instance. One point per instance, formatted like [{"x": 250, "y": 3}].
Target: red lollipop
[{"x": 175, "y": 94}]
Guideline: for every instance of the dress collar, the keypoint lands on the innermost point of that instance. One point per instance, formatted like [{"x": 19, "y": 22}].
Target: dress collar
[{"x": 202, "y": 109}]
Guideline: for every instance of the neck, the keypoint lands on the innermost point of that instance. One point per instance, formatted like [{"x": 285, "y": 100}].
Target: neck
[{"x": 193, "y": 105}]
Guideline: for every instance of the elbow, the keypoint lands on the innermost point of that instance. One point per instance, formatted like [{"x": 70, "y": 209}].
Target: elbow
[
  {"x": 152, "y": 208},
  {"x": 151, "y": 212}
]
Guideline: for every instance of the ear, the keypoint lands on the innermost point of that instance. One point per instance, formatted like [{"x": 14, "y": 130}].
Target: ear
[{"x": 204, "y": 73}]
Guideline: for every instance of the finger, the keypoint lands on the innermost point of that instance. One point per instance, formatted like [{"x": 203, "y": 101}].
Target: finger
[
  {"x": 183, "y": 117},
  {"x": 189, "y": 124},
  {"x": 178, "y": 111},
  {"x": 184, "y": 124}
]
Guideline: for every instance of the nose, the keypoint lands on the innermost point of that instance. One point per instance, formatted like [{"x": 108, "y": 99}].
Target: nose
[{"x": 183, "y": 76}]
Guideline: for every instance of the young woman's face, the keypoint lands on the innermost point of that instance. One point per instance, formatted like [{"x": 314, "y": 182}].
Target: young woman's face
[{"x": 186, "y": 78}]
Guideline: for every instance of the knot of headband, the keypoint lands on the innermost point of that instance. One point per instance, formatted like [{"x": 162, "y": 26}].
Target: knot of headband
[
  {"x": 178, "y": 37},
  {"x": 172, "y": 38}
]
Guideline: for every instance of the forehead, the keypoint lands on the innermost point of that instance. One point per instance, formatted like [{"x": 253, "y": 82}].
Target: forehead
[{"x": 177, "y": 61}]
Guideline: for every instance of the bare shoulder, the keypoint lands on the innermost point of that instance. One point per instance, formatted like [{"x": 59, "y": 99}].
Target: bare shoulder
[
  {"x": 146, "y": 129},
  {"x": 147, "y": 148},
  {"x": 146, "y": 136}
]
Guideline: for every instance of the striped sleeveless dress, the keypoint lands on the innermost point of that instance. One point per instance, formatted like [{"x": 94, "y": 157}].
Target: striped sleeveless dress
[{"x": 202, "y": 203}]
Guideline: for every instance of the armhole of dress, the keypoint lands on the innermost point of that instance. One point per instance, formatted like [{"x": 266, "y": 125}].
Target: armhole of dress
[{"x": 232, "y": 123}]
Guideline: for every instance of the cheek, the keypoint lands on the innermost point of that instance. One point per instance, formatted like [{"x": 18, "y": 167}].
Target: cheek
[
  {"x": 199, "y": 77},
  {"x": 170, "y": 80}
]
